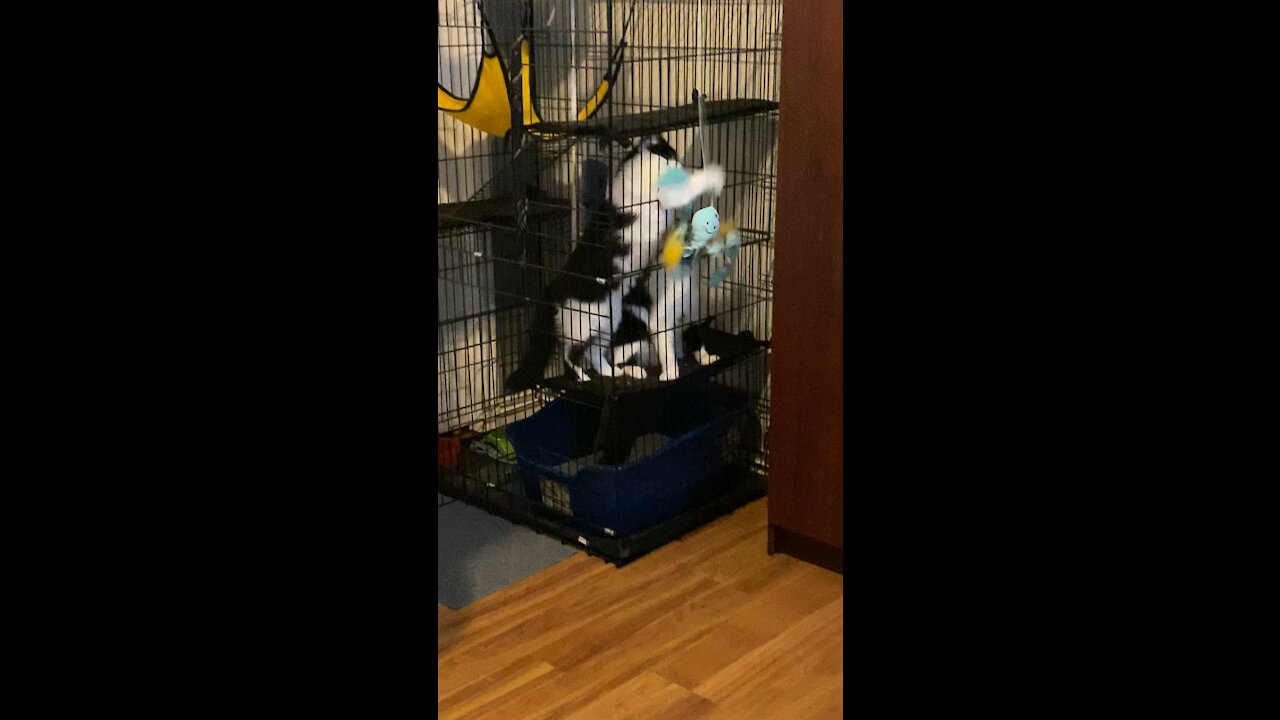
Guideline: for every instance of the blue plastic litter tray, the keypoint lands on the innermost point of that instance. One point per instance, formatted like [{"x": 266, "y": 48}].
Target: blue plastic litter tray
[{"x": 582, "y": 462}]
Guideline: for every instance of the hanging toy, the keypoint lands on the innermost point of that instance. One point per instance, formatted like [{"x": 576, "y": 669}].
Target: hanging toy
[
  {"x": 678, "y": 188},
  {"x": 673, "y": 192},
  {"x": 702, "y": 228},
  {"x": 706, "y": 222},
  {"x": 695, "y": 234},
  {"x": 730, "y": 245}
]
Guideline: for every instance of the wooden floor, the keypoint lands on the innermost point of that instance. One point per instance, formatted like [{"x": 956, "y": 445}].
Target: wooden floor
[{"x": 707, "y": 627}]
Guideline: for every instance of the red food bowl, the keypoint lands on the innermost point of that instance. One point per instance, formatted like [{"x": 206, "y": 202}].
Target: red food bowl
[{"x": 449, "y": 447}]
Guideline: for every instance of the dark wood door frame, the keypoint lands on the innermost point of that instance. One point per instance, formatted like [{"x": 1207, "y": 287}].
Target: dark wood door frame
[{"x": 806, "y": 443}]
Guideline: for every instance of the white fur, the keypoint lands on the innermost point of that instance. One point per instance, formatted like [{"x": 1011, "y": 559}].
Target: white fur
[
  {"x": 677, "y": 306},
  {"x": 579, "y": 322}
]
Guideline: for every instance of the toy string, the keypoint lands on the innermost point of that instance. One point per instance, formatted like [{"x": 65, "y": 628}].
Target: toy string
[{"x": 702, "y": 127}]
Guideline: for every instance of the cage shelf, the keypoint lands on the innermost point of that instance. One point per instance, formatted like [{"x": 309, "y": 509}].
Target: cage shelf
[
  {"x": 622, "y": 127},
  {"x": 731, "y": 349},
  {"x": 501, "y": 209}
]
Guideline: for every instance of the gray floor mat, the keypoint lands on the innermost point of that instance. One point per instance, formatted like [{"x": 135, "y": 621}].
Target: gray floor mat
[{"x": 479, "y": 554}]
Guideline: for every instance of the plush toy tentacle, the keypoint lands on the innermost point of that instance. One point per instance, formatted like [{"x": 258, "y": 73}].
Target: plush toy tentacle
[{"x": 730, "y": 247}]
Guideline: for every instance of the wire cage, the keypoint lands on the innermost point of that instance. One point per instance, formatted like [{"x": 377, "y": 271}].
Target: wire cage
[{"x": 649, "y": 414}]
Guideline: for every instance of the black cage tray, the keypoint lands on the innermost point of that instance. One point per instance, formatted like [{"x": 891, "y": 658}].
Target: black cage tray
[{"x": 494, "y": 487}]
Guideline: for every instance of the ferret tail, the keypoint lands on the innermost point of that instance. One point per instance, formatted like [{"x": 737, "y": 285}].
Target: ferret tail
[{"x": 542, "y": 343}]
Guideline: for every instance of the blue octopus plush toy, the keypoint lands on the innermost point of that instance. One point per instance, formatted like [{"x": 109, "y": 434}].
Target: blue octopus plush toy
[{"x": 694, "y": 235}]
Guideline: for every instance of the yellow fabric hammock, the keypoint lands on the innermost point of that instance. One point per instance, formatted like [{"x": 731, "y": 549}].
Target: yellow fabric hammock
[{"x": 488, "y": 108}]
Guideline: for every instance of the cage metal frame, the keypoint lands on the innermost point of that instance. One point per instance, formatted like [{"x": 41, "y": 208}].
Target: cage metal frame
[{"x": 510, "y": 218}]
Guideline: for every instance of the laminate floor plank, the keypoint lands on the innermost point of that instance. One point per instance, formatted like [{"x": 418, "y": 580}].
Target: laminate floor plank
[{"x": 705, "y": 628}]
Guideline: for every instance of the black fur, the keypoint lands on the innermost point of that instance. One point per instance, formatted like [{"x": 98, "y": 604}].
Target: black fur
[
  {"x": 694, "y": 337},
  {"x": 654, "y": 144},
  {"x": 592, "y": 258},
  {"x": 632, "y": 328}
]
